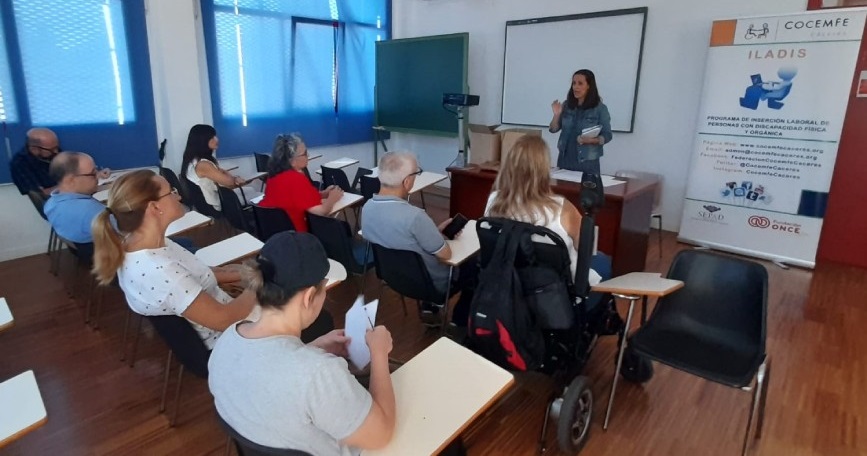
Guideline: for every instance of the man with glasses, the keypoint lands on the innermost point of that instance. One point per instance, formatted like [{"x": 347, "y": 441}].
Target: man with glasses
[
  {"x": 389, "y": 220},
  {"x": 29, "y": 167},
  {"x": 72, "y": 207}
]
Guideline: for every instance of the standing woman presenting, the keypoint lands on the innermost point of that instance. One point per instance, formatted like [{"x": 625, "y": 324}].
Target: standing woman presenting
[{"x": 582, "y": 110}]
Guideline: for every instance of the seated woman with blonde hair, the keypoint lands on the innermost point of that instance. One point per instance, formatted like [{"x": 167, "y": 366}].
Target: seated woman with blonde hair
[
  {"x": 157, "y": 276},
  {"x": 522, "y": 192}
]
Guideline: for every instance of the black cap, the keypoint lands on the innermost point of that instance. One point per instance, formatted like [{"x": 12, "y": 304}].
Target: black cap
[{"x": 293, "y": 261}]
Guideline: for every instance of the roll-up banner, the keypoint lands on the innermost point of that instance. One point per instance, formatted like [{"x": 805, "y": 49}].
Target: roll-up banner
[{"x": 774, "y": 99}]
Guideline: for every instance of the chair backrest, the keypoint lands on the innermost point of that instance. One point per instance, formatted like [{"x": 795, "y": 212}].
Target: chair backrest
[
  {"x": 232, "y": 210},
  {"x": 721, "y": 292},
  {"x": 245, "y": 447},
  {"x": 261, "y": 162},
  {"x": 358, "y": 174},
  {"x": 405, "y": 272},
  {"x": 84, "y": 252},
  {"x": 183, "y": 341},
  {"x": 336, "y": 237},
  {"x": 38, "y": 199},
  {"x": 540, "y": 247},
  {"x": 369, "y": 186},
  {"x": 270, "y": 221},
  {"x": 173, "y": 181},
  {"x": 197, "y": 199},
  {"x": 646, "y": 176},
  {"x": 334, "y": 176}
]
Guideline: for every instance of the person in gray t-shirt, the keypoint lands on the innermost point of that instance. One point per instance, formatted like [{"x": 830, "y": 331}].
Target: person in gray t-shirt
[{"x": 275, "y": 390}]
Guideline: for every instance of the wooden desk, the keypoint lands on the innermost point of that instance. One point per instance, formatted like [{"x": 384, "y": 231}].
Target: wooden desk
[
  {"x": 438, "y": 394},
  {"x": 230, "y": 250},
  {"x": 624, "y": 220},
  {"x": 336, "y": 274},
  {"x": 189, "y": 221},
  {"x": 464, "y": 246},
  {"x": 21, "y": 407},
  {"x": 347, "y": 200},
  {"x": 340, "y": 163},
  {"x": 6, "y": 319}
]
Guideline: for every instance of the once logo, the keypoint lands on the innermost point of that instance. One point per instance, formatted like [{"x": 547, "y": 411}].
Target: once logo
[{"x": 759, "y": 221}]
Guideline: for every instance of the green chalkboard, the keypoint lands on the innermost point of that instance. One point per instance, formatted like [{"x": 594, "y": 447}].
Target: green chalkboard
[{"x": 411, "y": 76}]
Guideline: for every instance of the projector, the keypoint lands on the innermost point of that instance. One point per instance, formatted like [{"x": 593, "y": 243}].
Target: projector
[{"x": 460, "y": 99}]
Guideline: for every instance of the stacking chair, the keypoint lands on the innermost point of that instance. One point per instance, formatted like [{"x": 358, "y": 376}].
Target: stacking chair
[
  {"x": 656, "y": 212},
  {"x": 368, "y": 186},
  {"x": 38, "y": 199},
  {"x": 336, "y": 236},
  {"x": 316, "y": 184},
  {"x": 262, "y": 166},
  {"x": 197, "y": 199},
  {"x": 232, "y": 210},
  {"x": 357, "y": 179},
  {"x": 184, "y": 342},
  {"x": 270, "y": 221},
  {"x": 245, "y": 447},
  {"x": 405, "y": 272},
  {"x": 334, "y": 176},
  {"x": 173, "y": 180},
  {"x": 714, "y": 327}
]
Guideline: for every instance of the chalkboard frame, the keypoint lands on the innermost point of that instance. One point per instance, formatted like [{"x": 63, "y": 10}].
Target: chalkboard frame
[{"x": 465, "y": 37}]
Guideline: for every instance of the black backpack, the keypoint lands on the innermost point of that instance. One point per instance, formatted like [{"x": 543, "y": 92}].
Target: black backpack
[{"x": 501, "y": 325}]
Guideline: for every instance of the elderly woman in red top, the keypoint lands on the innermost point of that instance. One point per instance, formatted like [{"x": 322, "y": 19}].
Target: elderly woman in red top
[{"x": 289, "y": 188}]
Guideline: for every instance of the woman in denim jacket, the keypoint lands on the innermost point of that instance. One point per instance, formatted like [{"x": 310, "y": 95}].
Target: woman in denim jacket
[{"x": 583, "y": 109}]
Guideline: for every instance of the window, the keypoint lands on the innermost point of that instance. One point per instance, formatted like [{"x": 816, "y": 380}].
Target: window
[
  {"x": 306, "y": 65},
  {"x": 82, "y": 69}
]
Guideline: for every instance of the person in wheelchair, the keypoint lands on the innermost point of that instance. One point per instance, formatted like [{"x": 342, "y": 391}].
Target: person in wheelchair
[{"x": 522, "y": 192}]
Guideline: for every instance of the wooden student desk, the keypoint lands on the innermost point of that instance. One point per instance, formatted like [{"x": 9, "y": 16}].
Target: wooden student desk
[{"x": 624, "y": 220}]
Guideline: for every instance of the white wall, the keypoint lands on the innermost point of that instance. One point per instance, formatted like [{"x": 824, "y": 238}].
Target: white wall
[{"x": 672, "y": 72}]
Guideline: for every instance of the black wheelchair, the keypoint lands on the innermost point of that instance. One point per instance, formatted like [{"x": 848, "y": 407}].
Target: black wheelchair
[{"x": 571, "y": 328}]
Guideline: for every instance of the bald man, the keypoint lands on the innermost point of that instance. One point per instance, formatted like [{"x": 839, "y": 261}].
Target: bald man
[
  {"x": 29, "y": 167},
  {"x": 72, "y": 207}
]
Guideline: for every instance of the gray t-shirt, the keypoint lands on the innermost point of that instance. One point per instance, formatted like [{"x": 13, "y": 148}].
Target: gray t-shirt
[
  {"x": 395, "y": 224},
  {"x": 278, "y": 392}
]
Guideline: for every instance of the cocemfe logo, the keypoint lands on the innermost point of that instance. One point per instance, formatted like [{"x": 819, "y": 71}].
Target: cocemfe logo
[
  {"x": 757, "y": 221},
  {"x": 818, "y": 23}
]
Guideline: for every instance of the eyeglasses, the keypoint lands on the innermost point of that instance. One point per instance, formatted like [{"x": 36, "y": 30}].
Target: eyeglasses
[
  {"x": 53, "y": 150},
  {"x": 173, "y": 191},
  {"x": 93, "y": 173},
  {"x": 417, "y": 173}
]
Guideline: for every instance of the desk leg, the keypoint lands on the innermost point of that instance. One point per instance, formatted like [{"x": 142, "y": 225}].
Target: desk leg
[
  {"x": 632, "y": 300},
  {"x": 445, "y": 310}
]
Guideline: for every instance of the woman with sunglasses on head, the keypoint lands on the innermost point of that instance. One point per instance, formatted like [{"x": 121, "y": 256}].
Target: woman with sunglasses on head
[
  {"x": 157, "y": 276},
  {"x": 584, "y": 125},
  {"x": 200, "y": 168},
  {"x": 289, "y": 188}
]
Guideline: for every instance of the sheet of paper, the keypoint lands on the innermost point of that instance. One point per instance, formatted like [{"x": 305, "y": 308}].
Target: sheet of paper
[
  {"x": 360, "y": 319},
  {"x": 575, "y": 176}
]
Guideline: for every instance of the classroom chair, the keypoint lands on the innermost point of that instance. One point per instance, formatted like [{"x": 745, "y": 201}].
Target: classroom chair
[
  {"x": 270, "y": 221},
  {"x": 245, "y": 447},
  {"x": 336, "y": 237},
  {"x": 38, "y": 199},
  {"x": 234, "y": 213}
]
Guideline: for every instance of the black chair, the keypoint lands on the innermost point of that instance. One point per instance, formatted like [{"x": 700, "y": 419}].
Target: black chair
[
  {"x": 714, "y": 327},
  {"x": 334, "y": 176},
  {"x": 173, "y": 181},
  {"x": 316, "y": 184},
  {"x": 196, "y": 199},
  {"x": 235, "y": 214},
  {"x": 184, "y": 342},
  {"x": 357, "y": 179},
  {"x": 336, "y": 236},
  {"x": 245, "y": 447},
  {"x": 261, "y": 162},
  {"x": 270, "y": 221},
  {"x": 368, "y": 186},
  {"x": 38, "y": 199},
  {"x": 405, "y": 272}
]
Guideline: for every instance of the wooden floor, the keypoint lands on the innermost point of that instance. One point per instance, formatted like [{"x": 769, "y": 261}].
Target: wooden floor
[{"x": 817, "y": 403}]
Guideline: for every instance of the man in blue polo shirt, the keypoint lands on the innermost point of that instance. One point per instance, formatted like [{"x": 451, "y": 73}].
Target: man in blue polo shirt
[
  {"x": 29, "y": 167},
  {"x": 389, "y": 220},
  {"x": 72, "y": 207}
]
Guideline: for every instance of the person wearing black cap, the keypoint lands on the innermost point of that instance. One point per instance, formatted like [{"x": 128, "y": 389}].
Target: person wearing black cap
[{"x": 277, "y": 391}]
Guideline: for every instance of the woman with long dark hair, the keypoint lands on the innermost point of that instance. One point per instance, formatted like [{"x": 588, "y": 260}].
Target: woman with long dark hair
[
  {"x": 200, "y": 167},
  {"x": 580, "y": 145}
]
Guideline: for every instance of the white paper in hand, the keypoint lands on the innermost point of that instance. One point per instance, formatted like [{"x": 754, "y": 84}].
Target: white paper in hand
[{"x": 359, "y": 319}]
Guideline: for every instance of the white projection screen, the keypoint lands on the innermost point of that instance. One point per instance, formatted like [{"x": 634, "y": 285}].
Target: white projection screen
[{"x": 541, "y": 55}]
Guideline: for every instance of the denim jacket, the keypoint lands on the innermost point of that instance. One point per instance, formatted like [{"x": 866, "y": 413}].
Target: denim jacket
[{"x": 572, "y": 121}]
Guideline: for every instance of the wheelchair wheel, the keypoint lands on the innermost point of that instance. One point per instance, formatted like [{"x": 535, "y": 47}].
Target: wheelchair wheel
[
  {"x": 635, "y": 368},
  {"x": 576, "y": 415}
]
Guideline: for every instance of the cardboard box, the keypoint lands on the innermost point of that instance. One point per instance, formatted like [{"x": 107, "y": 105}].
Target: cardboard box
[
  {"x": 511, "y": 136},
  {"x": 484, "y": 143}
]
